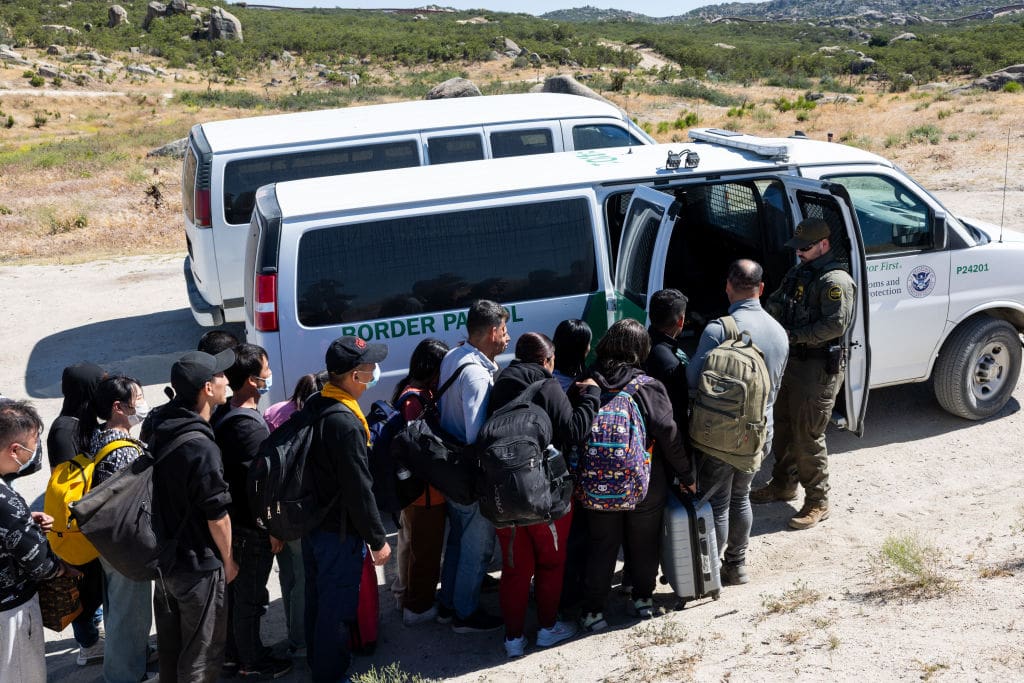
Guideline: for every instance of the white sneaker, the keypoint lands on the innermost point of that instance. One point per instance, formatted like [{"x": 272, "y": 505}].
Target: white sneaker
[
  {"x": 562, "y": 630},
  {"x": 410, "y": 618},
  {"x": 514, "y": 648},
  {"x": 91, "y": 655}
]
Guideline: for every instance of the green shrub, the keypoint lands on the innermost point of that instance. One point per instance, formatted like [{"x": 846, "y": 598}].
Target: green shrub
[
  {"x": 37, "y": 81},
  {"x": 926, "y": 133},
  {"x": 1013, "y": 86}
]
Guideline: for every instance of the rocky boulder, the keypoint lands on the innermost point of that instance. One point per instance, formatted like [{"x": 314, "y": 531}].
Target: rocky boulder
[
  {"x": 998, "y": 79},
  {"x": 903, "y": 36},
  {"x": 862, "y": 65},
  {"x": 154, "y": 10},
  {"x": 116, "y": 16},
  {"x": 174, "y": 149},
  {"x": 567, "y": 85},
  {"x": 59, "y": 28},
  {"x": 453, "y": 87},
  {"x": 224, "y": 25}
]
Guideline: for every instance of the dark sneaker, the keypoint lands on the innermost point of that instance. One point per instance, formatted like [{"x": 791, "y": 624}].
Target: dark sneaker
[
  {"x": 229, "y": 669},
  {"x": 771, "y": 494},
  {"x": 734, "y": 574},
  {"x": 478, "y": 622},
  {"x": 593, "y": 622},
  {"x": 266, "y": 670},
  {"x": 444, "y": 614},
  {"x": 810, "y": 515}
]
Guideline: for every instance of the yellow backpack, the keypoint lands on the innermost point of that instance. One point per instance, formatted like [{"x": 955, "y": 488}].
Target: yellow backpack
[{"x": 68, "y": 483}]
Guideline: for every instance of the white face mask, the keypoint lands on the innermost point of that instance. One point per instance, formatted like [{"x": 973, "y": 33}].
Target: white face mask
[
  {"x": 28, "y": 463},
  {"x": 141, "y": 411},
  {"x": 376, "y": 376}
]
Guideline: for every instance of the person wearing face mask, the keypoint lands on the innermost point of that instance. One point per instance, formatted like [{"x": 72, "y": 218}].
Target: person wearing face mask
[
  {"x": 239, "y": 428},
  {"x": 127, "y": 604},
  {"x": 333, "y": 551},
  {"x": 25, "y": 556}
]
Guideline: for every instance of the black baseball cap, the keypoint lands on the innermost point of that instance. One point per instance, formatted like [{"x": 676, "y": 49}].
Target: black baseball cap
[
  {"x": 809, "y": 231},
  {"x": 345, "y": 353},
  {"x": 193, "y": 370}
]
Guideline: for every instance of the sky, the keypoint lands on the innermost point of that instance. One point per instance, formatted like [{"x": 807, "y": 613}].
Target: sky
[{"x": 652, "y": 8}]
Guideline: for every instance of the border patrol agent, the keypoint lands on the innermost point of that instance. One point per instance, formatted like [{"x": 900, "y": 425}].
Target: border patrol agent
[{"x": 815, "y": 306}]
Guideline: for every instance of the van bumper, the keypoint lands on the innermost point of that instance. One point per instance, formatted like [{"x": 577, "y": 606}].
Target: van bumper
[{"x": 205, "y": 313}]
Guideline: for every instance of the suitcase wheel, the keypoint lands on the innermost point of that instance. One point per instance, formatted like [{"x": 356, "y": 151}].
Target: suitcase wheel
[
  {"x": 715, "y": 595},
  {"x": 680, "y": 606},
  {"x": 663, "y": 580}
]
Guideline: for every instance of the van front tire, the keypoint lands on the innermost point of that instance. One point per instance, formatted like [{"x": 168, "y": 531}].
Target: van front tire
[{"x": 978, "y": 368}]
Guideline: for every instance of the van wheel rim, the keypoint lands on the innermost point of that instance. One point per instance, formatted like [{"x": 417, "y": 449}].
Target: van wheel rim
[{"x": 990, "y": 371}]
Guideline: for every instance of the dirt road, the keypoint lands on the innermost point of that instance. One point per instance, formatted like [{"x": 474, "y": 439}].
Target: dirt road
[{"x": 815, "y": 609}]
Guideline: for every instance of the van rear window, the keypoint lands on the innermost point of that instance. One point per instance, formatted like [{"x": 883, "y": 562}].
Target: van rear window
[
  {"x": 243, "y": 177},
  {"x": 425, "y": 264}
]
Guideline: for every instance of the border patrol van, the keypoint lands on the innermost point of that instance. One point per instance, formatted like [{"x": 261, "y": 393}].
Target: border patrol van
[
  {"x": 227, "y": 160},
  {"x": 397, "y": 256}
]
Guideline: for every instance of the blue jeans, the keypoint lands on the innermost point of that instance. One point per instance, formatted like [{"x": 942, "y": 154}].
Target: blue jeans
[
  {"x": 333, "y": 566},
  {"x": 731, "y": 505},
  {"x": 469, "y": 548},
  {"x": 293, "y": 592},
  {"x": 128, "y": 616}
]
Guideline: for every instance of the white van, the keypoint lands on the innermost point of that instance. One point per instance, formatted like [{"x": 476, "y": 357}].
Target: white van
[
  {"x": 397, "y": 256},
  {"x": 227, "y": 160}
]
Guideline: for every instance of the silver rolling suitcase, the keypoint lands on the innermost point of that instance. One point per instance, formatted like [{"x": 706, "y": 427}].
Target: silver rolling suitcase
[{"x": 689, "y": 550}]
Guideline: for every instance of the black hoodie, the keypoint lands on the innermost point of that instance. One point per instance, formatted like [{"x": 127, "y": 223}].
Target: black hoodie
[
  {"x": 188, "y": 486},
  {"x": 656, "y": 408},
  {"x": 571, "y": 415},
  {"x": 78, "y": 384}
]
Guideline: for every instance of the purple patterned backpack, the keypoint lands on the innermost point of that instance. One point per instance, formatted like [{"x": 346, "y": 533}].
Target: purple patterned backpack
[{"x": 613, "y": 468}]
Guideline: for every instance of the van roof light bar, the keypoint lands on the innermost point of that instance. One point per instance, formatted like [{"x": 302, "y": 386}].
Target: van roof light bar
[{"x": 750, "y": 143}]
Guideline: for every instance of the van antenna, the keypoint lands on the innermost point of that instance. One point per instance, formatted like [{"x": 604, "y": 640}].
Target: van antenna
[{"x": 1006, "y": 175}]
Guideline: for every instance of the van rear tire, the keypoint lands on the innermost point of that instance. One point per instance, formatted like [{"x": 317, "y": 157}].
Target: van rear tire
[{"x": 978, "y": 367}]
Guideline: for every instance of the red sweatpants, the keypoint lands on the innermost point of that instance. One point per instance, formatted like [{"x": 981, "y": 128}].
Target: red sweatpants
[{"x": 532, "y": 552}]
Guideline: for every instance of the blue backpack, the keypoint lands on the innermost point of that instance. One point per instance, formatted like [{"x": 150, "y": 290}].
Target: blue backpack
[{"x": 394, "y": 486}]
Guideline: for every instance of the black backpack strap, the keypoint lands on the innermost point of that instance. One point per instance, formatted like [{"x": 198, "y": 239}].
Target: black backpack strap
[
  {"x": 238, "y": 412},
  {"x": 164, "y": 451},
  {"x": 525, "y": 396},
  {"x": 451, "y": 380}
]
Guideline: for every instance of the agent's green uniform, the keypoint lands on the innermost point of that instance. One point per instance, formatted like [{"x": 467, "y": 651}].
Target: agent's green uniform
[{"x": 815, "y": 306}]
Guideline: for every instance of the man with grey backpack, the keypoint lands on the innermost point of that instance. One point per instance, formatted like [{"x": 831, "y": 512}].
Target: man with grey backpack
[{"x": 745, "y": 347}]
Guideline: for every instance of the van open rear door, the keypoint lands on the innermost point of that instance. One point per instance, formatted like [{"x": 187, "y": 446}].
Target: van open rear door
[{"x": 647, "y": 231}]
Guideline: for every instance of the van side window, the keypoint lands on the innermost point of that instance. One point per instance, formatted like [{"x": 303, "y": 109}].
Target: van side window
[
  {"x": 516, "y": 143},
  {"x": 891, "y": 217},
  {"x": 597, "y": 136},
  {"x": 188, "y": 184},
  {"x": 438, "y": 262},
  {"x": 448, "y": 149},
  {"x": 243, "y": 177}
]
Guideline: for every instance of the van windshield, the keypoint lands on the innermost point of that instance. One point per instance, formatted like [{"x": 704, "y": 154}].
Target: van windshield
[
  {"x": 242, "y": 178},
  {"x": 437, "y": 262}
]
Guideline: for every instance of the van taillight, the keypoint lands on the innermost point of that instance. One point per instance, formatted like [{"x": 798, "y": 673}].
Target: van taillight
[
  {"x": 202, "y": 209},
  {"x": 265, "y": 305}
]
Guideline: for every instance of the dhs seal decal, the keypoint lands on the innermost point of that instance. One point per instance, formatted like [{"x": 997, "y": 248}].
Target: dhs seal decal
[{"x": 921, "y": 282}]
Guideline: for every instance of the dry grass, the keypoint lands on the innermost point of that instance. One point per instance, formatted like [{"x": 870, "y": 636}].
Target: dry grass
[
  {"x": 908, "y": 567},
  {"x": 74, "y": 176},
  {"x": 796, "y": 597}
]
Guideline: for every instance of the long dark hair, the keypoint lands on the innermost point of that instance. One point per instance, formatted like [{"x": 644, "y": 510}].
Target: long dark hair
[
  {"x": 534, "y": 347},
  {"x": 626, "y": 343},
  {"x": 424, "y": 365},
  {"x": 307, "y": 385},
  {"x": 572, "y": 342},
  {"x": 117, "y": 388}
]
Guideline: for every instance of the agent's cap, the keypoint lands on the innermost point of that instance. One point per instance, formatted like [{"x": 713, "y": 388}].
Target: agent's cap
[
  {"x": 346, "y": 353},
  {"x": 809, "y": 231},
  {"x": 191, "y": 372}
]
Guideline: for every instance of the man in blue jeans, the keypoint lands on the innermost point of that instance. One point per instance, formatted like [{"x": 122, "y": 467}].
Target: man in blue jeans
[
  {"x": 731, "y": 503},
  {"x": 463, "y": 411},
  {"x": 333, "y": 552}
]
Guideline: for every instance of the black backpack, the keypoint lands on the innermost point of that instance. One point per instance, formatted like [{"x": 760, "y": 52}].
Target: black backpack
[
  {"x": 524, "y": 479},
  {"x": 394, "y": 486},
  {"x": 280, "y": 485},
  {"x": 119, "y": 518},
  {"x": 435, "y": 456}
]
